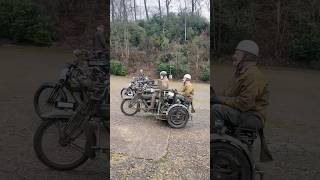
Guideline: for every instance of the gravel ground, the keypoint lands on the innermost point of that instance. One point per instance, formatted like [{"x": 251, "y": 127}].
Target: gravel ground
[{"x": 145, "y": 148}]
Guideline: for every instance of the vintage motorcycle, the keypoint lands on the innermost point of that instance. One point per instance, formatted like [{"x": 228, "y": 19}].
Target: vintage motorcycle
[
  {"x": 66, "y": 140},
  {"x": 231, "y": 152},
  {"x": 67, "y": 90},
  {"x": 135, "y": 83},
  {"x": 170, "y": 106}
]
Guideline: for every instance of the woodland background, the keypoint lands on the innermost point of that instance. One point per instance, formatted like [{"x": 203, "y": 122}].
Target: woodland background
[
  {"x": 288, "y": 32},
  {"x": 157, "y": 34}
]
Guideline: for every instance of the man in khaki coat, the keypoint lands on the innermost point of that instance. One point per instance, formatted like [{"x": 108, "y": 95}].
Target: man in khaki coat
[
  {"x": 245, "y": 101},
  {"x": 187, "y": 90}
]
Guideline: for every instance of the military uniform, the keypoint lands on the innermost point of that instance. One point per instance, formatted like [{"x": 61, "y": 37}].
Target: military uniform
[
  {"x": 245, "y": 99},
  {"x": 162, "y": 85},
  {"x": 187, "y": 90},
  {"x": 100, "y": 42},
  {"x": 248, "y": 91}
]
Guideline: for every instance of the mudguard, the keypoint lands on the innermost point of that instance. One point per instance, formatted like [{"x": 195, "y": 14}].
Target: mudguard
[
  {"x": 236, "y": 143},
  {"x": 52, "y": 84}
]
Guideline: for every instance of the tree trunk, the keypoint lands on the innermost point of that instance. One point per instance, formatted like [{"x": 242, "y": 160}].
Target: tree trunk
[
  {"x": 185, "y": 20},
  {"x": 146, "y": 9},
  {"x": 160, "y": 8},
  {"x": 112, "y": 10},
  {"x": 193, "y": 4},
  {"x": 168, "y": 6},
  {"x": 135, "y": 10}
]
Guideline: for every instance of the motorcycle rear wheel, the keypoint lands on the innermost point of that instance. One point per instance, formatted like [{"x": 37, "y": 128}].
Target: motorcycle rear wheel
[
  {"x": 229, "y": 163},
  {"x": 178, "y": 117}
]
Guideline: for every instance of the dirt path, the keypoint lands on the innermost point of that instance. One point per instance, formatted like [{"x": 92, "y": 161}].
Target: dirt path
[
  {"x": 143, "y": 147},
  {"x": 293, "y": 121},
  {"x": 22, "y": 70},
  {"x": 292, "y": 127}
]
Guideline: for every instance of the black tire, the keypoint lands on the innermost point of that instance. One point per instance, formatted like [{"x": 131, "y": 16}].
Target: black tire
[
  {"x": 126, "y": 102},
  {"x": 228, "y": 162},
  {"x": 38, "y": 145},
  {"x": 40, "y": 91},
  {"x": 124, "y": 92},
  {"x": 178, "y": 117}
]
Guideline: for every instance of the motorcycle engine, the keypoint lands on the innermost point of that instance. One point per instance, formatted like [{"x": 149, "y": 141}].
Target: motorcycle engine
[{"x": 164, "y": 107}]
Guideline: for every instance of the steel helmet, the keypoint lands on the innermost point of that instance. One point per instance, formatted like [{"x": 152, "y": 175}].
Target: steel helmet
[
  {"x": 187, "y": 76},
  {"x": 249, "y": 47},
  {"x": 163, "y": 73}
]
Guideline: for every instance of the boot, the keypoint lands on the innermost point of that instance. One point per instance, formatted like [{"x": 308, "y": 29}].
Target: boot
[
  {"x": 192, "y": 108},
  {"x": 265, "y": 155}
]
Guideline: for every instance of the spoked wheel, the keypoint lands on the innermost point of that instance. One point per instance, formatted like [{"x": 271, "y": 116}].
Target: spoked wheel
[
  {"x": 178, "y": 117},
  {"x": 130, "y": 107},
  {"x": 126, "y": 93},
  {"x": 46, "y": 97},
  {"x": 54, "y": 150},
  {"x": 229, "y": 163}
]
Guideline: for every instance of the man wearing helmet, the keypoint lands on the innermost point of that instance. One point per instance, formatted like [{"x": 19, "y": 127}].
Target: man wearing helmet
[
  {"x": 244, "y": 102},
  {"x": 163, "y": 83},
  {"x": 187, "y": 89},
  {"x": 141, "y": 75}
]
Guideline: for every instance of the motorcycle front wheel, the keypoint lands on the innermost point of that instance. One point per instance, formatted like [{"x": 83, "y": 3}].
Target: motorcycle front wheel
[
  {"x": 45, "y": 98},
  {"x": 229, "y": 163},
  {"x": 52, "y": 151},
  {"x": 129, "y": 107}
]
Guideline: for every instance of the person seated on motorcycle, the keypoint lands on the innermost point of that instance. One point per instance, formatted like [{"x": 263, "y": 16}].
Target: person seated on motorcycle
[
  {"x": 141, "y": 76},
  {"x": 245, "y": 101},
  {"x": 187, "y": 90},
  {"x": 163, "y": 83}
]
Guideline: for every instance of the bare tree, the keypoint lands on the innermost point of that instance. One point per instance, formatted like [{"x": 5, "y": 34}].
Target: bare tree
[
  {"x": 160, "y": 8},
  {"x": 112, "y": 10},
  {"x": 146, "y": 9},
  {"x": 135, "y": 10},
  {"x": 124, "y": 12},
  {"x": 195, "y": 6},
  {"x": 185, "y": 20},
  {"x": 168, "y": 2}
]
